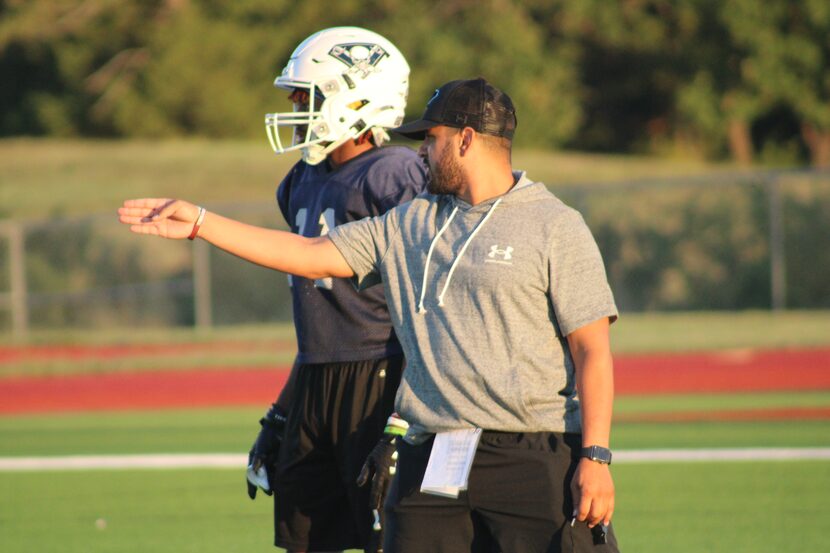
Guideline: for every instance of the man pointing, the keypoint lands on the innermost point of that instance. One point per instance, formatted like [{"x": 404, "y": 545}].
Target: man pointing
[{"x": 499, "y": 297}]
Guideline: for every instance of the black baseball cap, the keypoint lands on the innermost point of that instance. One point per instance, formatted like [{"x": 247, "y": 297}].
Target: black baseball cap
[{"x": 473, "y": 103}]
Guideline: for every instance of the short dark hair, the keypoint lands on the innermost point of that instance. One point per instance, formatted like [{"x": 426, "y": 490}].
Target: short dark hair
[{"x": 500, "y": 144}]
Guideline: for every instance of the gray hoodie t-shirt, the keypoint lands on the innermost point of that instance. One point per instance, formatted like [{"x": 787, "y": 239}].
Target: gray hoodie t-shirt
[{"x": 482, "y": 298}]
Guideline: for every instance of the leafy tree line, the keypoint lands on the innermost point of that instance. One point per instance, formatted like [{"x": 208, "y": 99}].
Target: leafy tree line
[{"x": 721, "y": 78}]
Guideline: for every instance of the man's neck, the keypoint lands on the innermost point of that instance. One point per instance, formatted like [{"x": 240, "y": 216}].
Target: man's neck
[
  {"x": 347, "y": 151},
  {"x": 484, "y": 185}
]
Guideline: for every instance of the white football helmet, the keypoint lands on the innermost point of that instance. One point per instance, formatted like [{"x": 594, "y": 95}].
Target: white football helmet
[{"x": 356, "y": 81}]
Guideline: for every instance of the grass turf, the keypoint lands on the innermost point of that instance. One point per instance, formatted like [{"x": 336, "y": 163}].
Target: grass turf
[
  {"x": 677, "y": 403},
  {"x": 738, "y": 507},
  {"x": 159, "y": 511},
  {"x": 753, "y": 507},
  {"x": 707, "y": 331},
  {"x": 40, "y": 177},
  {"x": 757, "y": 507},
  {"x": 233, "y": 430}
]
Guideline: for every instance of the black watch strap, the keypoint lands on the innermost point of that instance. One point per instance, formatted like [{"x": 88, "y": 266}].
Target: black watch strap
[{"x": 597, "y": 453}]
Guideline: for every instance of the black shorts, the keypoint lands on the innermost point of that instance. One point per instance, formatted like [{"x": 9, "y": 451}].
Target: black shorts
[
  {"x": 336, "y": 417},
  {"x": 518, "y": 500}
]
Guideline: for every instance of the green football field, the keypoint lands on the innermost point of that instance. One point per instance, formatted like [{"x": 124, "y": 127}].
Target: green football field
[
  {"x": 753, "y": 506},
  {"x": 733, "y": 507},
  {"x": 685, "y": 507}
]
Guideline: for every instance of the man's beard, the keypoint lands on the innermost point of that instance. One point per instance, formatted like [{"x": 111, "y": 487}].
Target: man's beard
[{"x": 445, "y": 177}]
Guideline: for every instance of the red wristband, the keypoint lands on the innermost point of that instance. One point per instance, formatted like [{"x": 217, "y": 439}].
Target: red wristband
[{"x": 198, "y": 224}]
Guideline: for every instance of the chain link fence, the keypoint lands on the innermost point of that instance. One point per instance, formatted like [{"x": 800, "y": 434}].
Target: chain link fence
[{"x": 757, "y": 240}]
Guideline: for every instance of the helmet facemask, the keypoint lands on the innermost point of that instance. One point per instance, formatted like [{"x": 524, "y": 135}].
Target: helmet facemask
[{"x": 306, "y": 126}]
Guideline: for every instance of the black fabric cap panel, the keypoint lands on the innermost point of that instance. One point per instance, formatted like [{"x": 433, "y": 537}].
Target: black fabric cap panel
[{"x": 473, "y": 103}]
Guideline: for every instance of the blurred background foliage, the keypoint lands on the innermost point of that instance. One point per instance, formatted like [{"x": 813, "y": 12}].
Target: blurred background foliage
[
  {"x": 656, "y": 92},
  {"x": 735, "y": 79},
  {"x": 670, "y": 244}
]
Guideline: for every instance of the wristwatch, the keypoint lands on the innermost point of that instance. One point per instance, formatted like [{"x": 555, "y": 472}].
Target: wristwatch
[{"x": 597, "y": 453}]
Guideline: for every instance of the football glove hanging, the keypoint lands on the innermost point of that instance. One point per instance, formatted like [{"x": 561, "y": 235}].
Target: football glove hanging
[
  {"x": 262, "y": 459},
  {"x": 380, "y": 467}
]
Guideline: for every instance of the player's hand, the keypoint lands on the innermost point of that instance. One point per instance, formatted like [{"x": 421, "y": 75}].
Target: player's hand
[
  {"x": 593, "y": 493},
  {"x": 262, "y": 459},
  {"x": 380, "y": 467},
  {"x": 159, "y": 216}
]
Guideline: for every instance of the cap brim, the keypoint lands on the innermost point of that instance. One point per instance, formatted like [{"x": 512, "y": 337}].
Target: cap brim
[{"x": 415, "y": 130}]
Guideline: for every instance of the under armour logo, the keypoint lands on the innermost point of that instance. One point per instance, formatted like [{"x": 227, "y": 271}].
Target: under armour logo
[{"x": 505, "y": 254}]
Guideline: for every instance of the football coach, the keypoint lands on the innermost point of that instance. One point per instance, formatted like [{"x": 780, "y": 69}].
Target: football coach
[{"x": 499, "y": 297}]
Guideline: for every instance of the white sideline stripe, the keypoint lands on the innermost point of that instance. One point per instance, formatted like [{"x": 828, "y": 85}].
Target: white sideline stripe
[
  {"x": 148, "y": 461},
  {"x": 238, "y": 461},
  {"x": 733, "y": 454}
]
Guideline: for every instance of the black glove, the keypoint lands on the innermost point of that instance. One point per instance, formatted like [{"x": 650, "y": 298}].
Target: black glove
[
  {"x": 263, "y": 454},
  {"x": 380, "y": 466}
]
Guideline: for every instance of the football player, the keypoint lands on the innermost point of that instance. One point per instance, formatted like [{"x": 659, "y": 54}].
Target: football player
[{"x": 348, "y": 85}]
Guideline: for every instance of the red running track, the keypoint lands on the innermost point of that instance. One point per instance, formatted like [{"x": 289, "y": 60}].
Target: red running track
[
  {"x": 729, "y": 371},
  {"x": 145, "y": 390},
  {"x": 736, "y": 371},
  {"x": 21, "y": 354}
]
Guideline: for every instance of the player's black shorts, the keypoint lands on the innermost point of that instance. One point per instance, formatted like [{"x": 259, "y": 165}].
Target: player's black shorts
[
  {"x": 518, "y": 500},
  {"x": 337, "y": 416}
]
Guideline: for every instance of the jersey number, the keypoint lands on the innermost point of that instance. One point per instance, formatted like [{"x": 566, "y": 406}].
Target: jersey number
[{"x": 324, "y": 224}]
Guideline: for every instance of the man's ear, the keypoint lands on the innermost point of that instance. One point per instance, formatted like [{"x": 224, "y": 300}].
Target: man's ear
[{"x": 467, "y": 137}]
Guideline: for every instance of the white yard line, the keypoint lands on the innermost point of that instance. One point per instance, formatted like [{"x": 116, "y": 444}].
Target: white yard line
[{"x": 237, "y": 461}]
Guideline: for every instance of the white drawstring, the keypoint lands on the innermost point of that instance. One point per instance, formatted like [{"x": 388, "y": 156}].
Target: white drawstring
[
  {"x": 463, "y": 249},
  {"x": 429, "y": 256}
]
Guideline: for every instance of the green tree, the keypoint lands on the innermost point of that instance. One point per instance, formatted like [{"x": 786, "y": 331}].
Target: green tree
[
  {"x": 612, "y": 76},
  {"x": 633, "y": 59},
  {"x": 203, "y": 75},
  {"x": 65, "y": 62},
  {"x": 500, "y": 40},
  {"x": 715, "y": 103},
  {"x": 176, "y": 67},
  {"x": 788, "y": 45}
]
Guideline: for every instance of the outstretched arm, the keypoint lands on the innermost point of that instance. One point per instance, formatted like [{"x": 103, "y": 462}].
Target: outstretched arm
[
  {"x": 592, "y": 486},
  {"x": 312, "y": 258}
]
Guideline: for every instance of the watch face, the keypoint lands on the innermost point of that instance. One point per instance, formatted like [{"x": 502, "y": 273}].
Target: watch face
[{"x": 598, "y": 454}]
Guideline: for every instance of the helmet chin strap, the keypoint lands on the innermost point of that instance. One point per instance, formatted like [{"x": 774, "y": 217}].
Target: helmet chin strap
[
  {"x": 380, "y": 135},
  {"x": 316, "y": 153}
]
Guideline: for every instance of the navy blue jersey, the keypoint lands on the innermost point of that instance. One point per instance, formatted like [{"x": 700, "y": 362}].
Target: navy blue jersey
[{"x": 334, "y": 322}]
